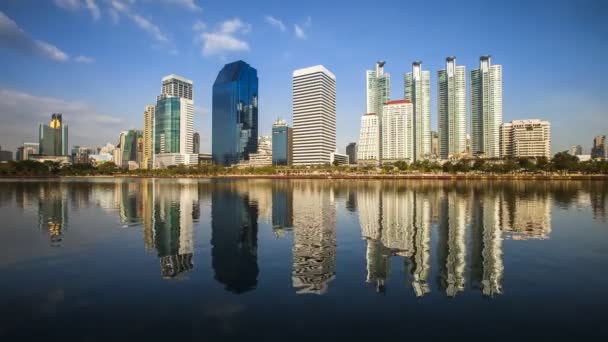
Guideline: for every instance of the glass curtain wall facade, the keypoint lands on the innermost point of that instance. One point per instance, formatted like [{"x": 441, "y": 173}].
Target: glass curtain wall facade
[
  {"x": 167, "y": 125},
  {"x": 53, "y": 138},
  {"x": 281, "y": 143},
  {"x": 235, "y": 114}
]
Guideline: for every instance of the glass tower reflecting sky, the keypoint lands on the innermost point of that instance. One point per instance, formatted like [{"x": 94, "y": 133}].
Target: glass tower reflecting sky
[{"x": 235, "y": 113}]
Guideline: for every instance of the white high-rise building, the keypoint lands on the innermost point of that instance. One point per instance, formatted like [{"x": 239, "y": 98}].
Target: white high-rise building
[
  {"x": 452, "y": 109},
  {"x": 486, "y": 108},
  {"x": 175, "y": 85},
  {"x": 378, "y": 92},
  {"x": 174, "y": 123},
  {"x": 368, "y": 139},
  {"x": 418, "y": 91},
  {"x": 398, "y": 133},
  {"x": 148, "y": 161},
  {"x": 526, "y": 138},
  {"x": 314, "y": 115}
]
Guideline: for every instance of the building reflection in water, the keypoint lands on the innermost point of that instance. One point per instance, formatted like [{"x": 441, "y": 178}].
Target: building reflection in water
[
  {"x": 234, "y": 229},
  {"x": 461, "y": 225},
  {"x": 53, "y": 211},
  {"x": 314, "y": 237}
]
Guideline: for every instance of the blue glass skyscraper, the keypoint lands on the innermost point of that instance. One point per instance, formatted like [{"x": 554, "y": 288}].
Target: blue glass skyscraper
[{"x": 235, "y": 114}]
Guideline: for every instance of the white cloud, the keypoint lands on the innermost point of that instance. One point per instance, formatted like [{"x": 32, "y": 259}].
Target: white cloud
[
  {"x": 187, "y": 4},
  {"x": 199, "y": 26},
  {"x": 13, "y": 37},
  {"x": 71, "y": 5},
  {"x": 93, "y": 8},
  {"x": 114, "y": 15},
  {"x": 74, "y": 5},
  {"x": 235, "y": 25},
  {"x": 84, "y": 59},
  {"x": 224, "y": 39},
  {"x": 23, "y": 111},
  {"x": 299, "y": 31},
  {"x": 142, "y": 22},
  {"x": 275, "y": 22}
]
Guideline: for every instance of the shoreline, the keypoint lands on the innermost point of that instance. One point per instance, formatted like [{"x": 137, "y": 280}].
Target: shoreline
[{"x": 596, "y": 177}]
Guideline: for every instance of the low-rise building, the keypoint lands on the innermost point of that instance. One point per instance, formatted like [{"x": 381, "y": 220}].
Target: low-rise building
[
  {"x": 339, "y": 158},
  {"x": 526, "y": 138}
]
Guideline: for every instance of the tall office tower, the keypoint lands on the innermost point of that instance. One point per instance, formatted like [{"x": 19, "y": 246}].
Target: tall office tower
[
  {"x": 576, "y": 150},
  {"x": 53, "y": 138},
  {"x": 526, "y": 138},
  {"x": 235, "y": 114},
  {"x": 282, "y": 143},
  {"x": 351, "y": 151},
  {"x": 378, "y": 92},
  {"x": 486, "y": 108},
  {"x": 148, "y": 158},
  {"x": 173, "y": 123},
  {"x": 314, "y": 115},
  {"x": 398, "y": 134},
  {"x": 452, "y": 109},
  {"x": 368, "y": 150},
  {"x": 418, "y": 91},
  {"x": 599, "y": 149}
]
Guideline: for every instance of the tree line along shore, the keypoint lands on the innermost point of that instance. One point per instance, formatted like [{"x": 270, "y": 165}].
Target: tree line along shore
[{"x": 561, "y": 166}]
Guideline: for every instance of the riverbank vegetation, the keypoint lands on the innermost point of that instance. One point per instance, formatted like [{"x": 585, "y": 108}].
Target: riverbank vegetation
[{"x": 561, "y": 163}]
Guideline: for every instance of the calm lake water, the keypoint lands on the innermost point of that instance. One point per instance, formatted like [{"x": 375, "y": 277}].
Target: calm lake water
[{"x": 109, "y": 259}]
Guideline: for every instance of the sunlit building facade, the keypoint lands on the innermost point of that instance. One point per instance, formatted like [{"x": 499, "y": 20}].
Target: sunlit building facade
[
  {"x": 452, "y": 109},
  {"x": 417, "y": 89},
  {"x": 314, "y": 115},
  {"x": 398, "y": 133},
  {"x": 526, "y": 138},
  {"x": 486, "y": 108},
  {"x": 53, "y": 138}
]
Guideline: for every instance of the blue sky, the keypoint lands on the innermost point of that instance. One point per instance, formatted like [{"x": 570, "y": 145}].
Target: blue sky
[{"x": 100, "y": 61}]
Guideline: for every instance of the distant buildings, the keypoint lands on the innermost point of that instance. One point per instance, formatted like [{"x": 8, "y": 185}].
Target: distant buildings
[
  {"x": 351, "y": 151},
  {"x": 486, "y": 108},
  {"x": 314, "y": 115},
  {"x": 378, "y": 92},
  {"x": 398, "y": 135},
  {"x": 148, "y": 136},
  {"x": 369, "y": 135},
  {"x": 526, "y": 138},
  {"x": 53, "y": 138},
  {"x": 435, "y": 144},
  {"x": 417, "y": 85},
  {"x": 196, "y": 143},
  {"x": 452, "y": 109},
  {"x": 235, "y": 114},
  {"x": 26, "y": 150},
  {"x": 80, "y": 154},
  {"x": 282, "y": 143},
  {"x": 339, "y": 158},
  {"x": 576, "y": 150},
  {"x": 173, "y": 123},
  {"x": 599, "y": 149},
  {"x": 263, "y": 156},
  {"x": 5, "y": 155}
]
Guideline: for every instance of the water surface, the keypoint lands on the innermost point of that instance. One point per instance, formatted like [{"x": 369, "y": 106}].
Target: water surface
[{"x": 153, "y": 259}]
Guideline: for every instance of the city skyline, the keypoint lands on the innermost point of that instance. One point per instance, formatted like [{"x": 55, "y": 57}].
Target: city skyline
[{"x": 530, "y": 85}]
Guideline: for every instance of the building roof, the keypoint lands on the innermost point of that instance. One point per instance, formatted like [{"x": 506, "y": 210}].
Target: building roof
[
  {"x": 397, "y": 102},
  {"x": 313, "y": 70},
  {"x": 369, "y": 114},
  {"x": 177, "y": 77}
]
